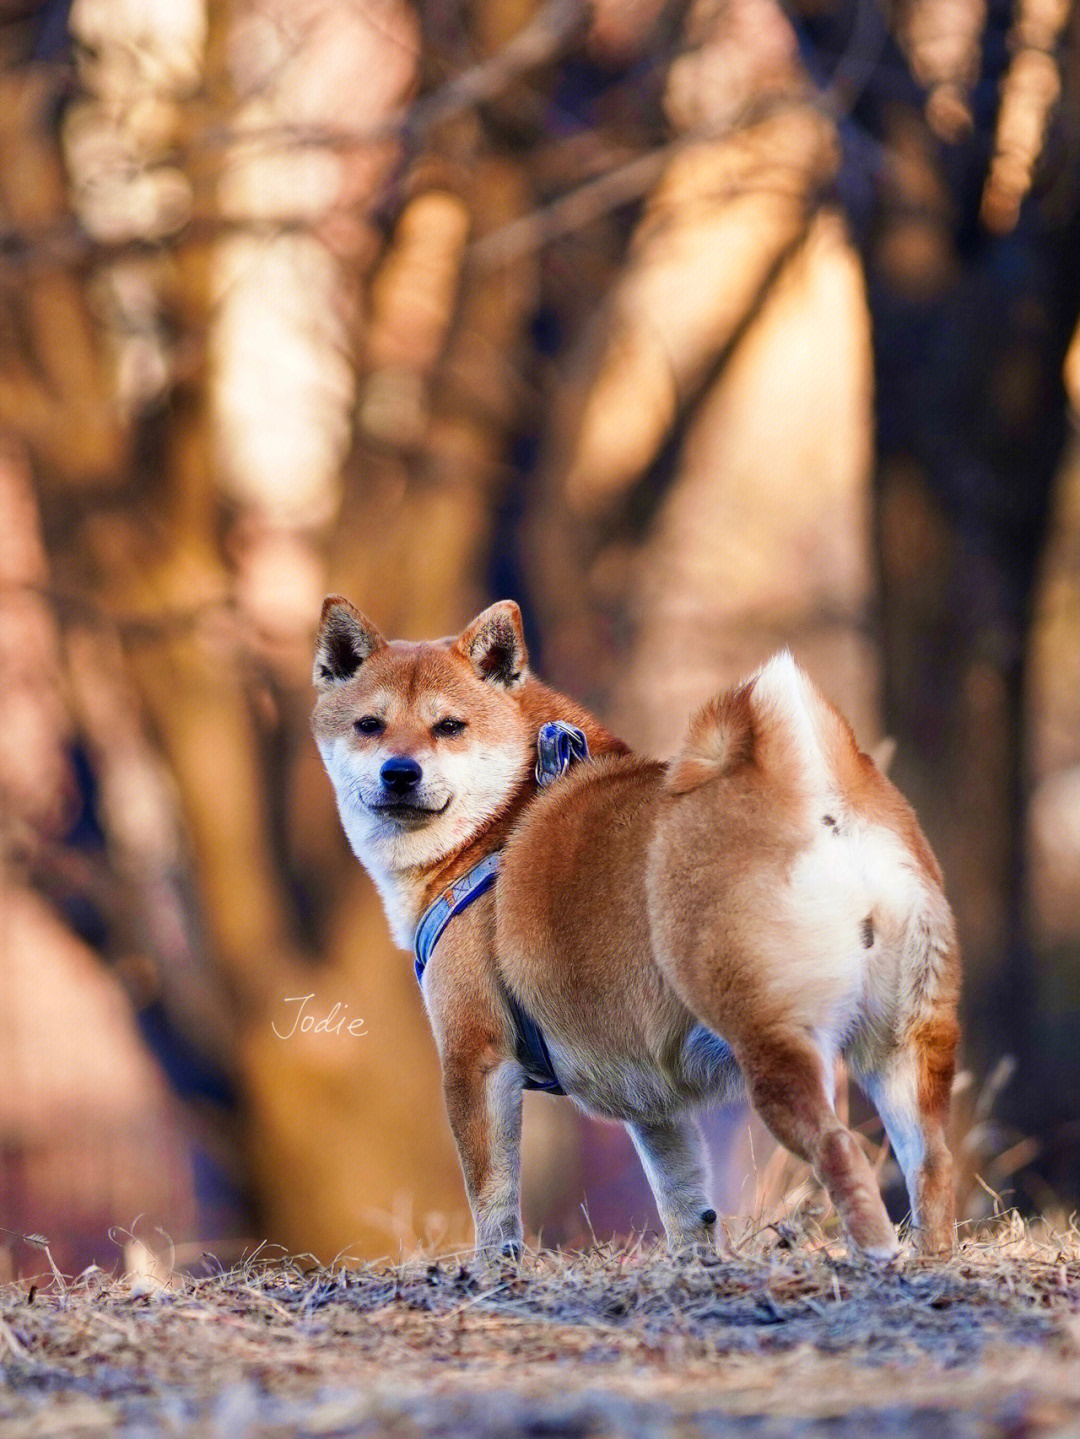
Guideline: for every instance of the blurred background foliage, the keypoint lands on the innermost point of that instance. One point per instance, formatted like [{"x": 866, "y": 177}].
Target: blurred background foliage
[{"x": 699, "y": 327}]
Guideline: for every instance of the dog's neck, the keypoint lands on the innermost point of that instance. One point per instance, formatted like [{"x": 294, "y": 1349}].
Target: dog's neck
[{"x": 406, "y": 893}]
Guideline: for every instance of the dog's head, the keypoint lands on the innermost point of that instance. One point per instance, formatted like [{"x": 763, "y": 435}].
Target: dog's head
[{"x": 424, "y": 743}]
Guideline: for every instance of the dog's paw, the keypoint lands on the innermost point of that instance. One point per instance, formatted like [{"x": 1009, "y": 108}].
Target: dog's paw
[
  {"x": 882, "y": 1255},
  {"x": 697, "y": 1240},
  {"x": 500, "y": 1242},
  {"x": 939, "y": 1243}
]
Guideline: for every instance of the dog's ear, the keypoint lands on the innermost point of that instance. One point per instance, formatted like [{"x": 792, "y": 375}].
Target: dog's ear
[
  {"x": 346, "y": 638},
  {"x": 494, "y": 644}
]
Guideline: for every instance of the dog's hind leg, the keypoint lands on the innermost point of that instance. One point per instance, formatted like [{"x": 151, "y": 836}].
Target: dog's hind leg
[
  {"x": 787, "y": 1077},
  {"x": 483, "y": 1101},
  {"x": 911, "y": 1093},
  {"x": 672, "y": 1153}
]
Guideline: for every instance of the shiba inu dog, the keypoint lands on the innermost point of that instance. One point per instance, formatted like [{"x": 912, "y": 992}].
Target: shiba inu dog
[{"x": 670, "y": 935}]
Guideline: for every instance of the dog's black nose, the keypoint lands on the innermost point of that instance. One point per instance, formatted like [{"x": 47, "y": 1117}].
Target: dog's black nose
[{"x": 400, "y": 774}]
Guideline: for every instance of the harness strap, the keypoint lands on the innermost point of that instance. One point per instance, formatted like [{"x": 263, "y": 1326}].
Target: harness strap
[
  {"x": 558, "y": 746},
  {"x": 452, "y": 901},
  {"x": 532, "y": 1051}
]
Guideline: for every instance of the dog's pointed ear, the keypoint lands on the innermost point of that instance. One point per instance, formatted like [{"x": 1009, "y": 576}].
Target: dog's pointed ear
[
  {"x": 345, "y": 640},
  {"x": 494, "y": 644}
]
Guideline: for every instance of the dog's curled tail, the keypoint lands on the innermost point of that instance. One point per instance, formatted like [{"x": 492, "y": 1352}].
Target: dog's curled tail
[
  {"x": 721, "y": 739},
  {"x": 776, "y": 720}
]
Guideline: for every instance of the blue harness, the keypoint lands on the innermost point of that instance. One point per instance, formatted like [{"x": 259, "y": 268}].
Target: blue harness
[{"x": 558, "y": 746}]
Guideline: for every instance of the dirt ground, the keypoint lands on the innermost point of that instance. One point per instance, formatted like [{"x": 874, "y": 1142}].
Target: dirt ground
[{"x": 786, "y": 1338}]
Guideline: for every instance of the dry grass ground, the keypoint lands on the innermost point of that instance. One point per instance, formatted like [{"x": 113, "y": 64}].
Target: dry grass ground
[{"x": 785, "y": 1338}]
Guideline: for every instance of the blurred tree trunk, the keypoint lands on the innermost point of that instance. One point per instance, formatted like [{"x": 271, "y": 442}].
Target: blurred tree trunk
[
  {"x": 55, "y": 386},
  {"x": 965, "y": 500},
  {"x": 975, "y": 292}
]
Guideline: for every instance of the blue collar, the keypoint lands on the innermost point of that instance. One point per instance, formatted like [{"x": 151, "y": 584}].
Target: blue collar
[{"x": 558, "y": 746}]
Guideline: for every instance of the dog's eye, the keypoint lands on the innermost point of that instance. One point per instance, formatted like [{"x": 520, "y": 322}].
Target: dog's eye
[
  {"x": 448, "y": 728},
  {"x": 368, "y": 724}
]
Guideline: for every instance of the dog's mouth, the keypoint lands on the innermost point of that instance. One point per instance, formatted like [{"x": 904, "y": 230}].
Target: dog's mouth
[{"x": 411, "y": 815}]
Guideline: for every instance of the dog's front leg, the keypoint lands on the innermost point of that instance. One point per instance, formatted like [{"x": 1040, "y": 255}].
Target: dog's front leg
[
  {"x": 672, "y": 1153},
  {"x": 483, "y": 1101}
]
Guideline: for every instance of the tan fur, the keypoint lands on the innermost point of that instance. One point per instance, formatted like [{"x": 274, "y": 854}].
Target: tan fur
[
  {"x": 735, "y": 918},
  {"x": 721, "y": 739}
]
